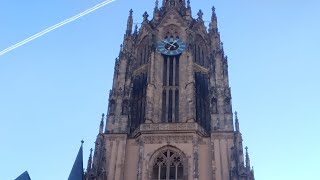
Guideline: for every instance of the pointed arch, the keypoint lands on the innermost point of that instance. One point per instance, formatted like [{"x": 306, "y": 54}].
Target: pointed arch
[
  {"x": 112, "y": 107},
  {"x": 172, "y": 16},
  {"x": 138, "y": 101},
  {"x": 171, "y": 31},
  {"x": 203, "y": 116},
  {"x": 143, "y": 51},
  {"x": 168, "y": 163},
  {"x": 200, "y": 51}
]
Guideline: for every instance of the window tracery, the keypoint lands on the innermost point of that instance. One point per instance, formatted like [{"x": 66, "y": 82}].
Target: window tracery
[
  {"x": 171, "y": 31},
  {"x": 200, "y": 51},
  {"x": 143, "y": 52},
  {"x": 168, "y": 165}
]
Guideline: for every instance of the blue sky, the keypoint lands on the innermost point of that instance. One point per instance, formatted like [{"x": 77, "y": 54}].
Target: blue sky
[{"x": 53, "y": 90}]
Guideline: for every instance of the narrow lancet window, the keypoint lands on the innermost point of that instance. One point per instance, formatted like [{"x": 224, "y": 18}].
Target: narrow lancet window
[
  {"x": 138, "y": 101},
  {"x": 202, "y": 101},
  {"x": 170, "y": 95}
]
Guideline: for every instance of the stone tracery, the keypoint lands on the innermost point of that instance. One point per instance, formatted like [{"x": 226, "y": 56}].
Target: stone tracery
[{"x": 168, "y": 163}]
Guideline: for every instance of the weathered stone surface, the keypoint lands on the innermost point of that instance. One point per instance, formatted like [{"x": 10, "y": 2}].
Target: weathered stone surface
[{"x": 170, "y": 114}]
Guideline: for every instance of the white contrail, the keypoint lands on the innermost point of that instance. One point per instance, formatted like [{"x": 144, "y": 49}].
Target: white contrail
[{"x": 98, "y": 6}]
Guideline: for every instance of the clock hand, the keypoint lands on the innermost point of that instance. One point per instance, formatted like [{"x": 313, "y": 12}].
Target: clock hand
[{"x": 172, "y": 44}]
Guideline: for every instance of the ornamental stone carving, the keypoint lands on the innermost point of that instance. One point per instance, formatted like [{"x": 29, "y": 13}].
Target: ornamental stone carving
[{"x": 166, "y": 139}]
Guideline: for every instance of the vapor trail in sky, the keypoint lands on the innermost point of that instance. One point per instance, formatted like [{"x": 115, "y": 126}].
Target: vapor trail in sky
[{"x": 96, "y": 7}]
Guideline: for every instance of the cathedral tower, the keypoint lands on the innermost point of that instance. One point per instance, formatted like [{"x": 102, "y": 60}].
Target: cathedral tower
[{"x": 170, "y": 113}]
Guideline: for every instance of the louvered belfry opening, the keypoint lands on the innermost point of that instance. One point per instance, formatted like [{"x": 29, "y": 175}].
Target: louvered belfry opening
[
  {"x": 138, "y": 101},
  {"x": 170, "y": 92},
  {"x": 202, "y": 101},
  {"x": 200, "y": 52}
]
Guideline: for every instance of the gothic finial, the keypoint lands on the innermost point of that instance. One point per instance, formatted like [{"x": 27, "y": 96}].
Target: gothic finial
[
  {"x": 121, "y": 47},
  {"x": 135, "y": 29},
  {"x": 200, "y": 14},
  {"x": 129, "y": 23},
  {"x": 89, "y": 165},
  {"x": 188, "y": 3},
  {"x": 82, "y": 141},
  {"x": 101, "y": 124},
  {"x": 116, "y": 63},
  {"x": 247, "y": 159},
  {"x": 214, "y": 23},
  {"x": 145, "y": 16},
  {"x": 237, "y": 122},
  {"x": 221, "y": 45},
  {"x": 157, "y": 4}
]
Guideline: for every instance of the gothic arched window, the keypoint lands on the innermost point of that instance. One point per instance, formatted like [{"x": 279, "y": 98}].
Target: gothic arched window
[
  {"x": 125, "y": 108},
  {"x": 200, "y": 52},
  {"x": 138, "y": 100},
  {"x": 202, "y": 100},
  {"x": 168, "y": 165},
  {"x": 143, "y": 52},
  {"x": 112, "y": 107}
]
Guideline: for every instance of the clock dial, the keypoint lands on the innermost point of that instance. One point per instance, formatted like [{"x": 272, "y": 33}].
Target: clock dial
[{"x": 171, "y": 46}]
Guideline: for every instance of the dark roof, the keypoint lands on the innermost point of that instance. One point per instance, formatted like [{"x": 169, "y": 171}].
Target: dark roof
[
  {"x": 24, "y": 176},
  {"x": 77, "y": 169}
]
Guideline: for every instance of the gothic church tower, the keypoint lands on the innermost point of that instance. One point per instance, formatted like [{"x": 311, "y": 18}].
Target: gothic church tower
[{"x": 170, "y": 113}]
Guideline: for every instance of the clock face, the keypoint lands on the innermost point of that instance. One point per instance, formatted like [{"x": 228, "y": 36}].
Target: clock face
[{"x": 171, "y": 46}]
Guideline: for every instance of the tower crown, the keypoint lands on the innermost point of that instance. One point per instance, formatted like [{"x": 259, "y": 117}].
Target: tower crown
[{"x": 170, "y": 96}]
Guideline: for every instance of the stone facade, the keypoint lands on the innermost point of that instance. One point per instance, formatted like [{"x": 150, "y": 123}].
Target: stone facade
[{"x": 170, "y": 117}]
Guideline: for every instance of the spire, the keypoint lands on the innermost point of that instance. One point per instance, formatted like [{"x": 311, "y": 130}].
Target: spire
[
  {"x": 24, "y": 176},
  {"x": 213, "y": 11},
  {"x": 247, "y": 159},
  {"x": 237, "y": 122},
  {"x": 89, "y": 165},
  {"x": 77, "y": 169},
  {"x": 101, "y": 124},
  {"x": 214, "y": 23},
  {"x": 188, "y": 11},
  {"x": 252, "y": 173},
  {"x": 156, "y": 12},
  {"x": 129, "y": 23}
]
